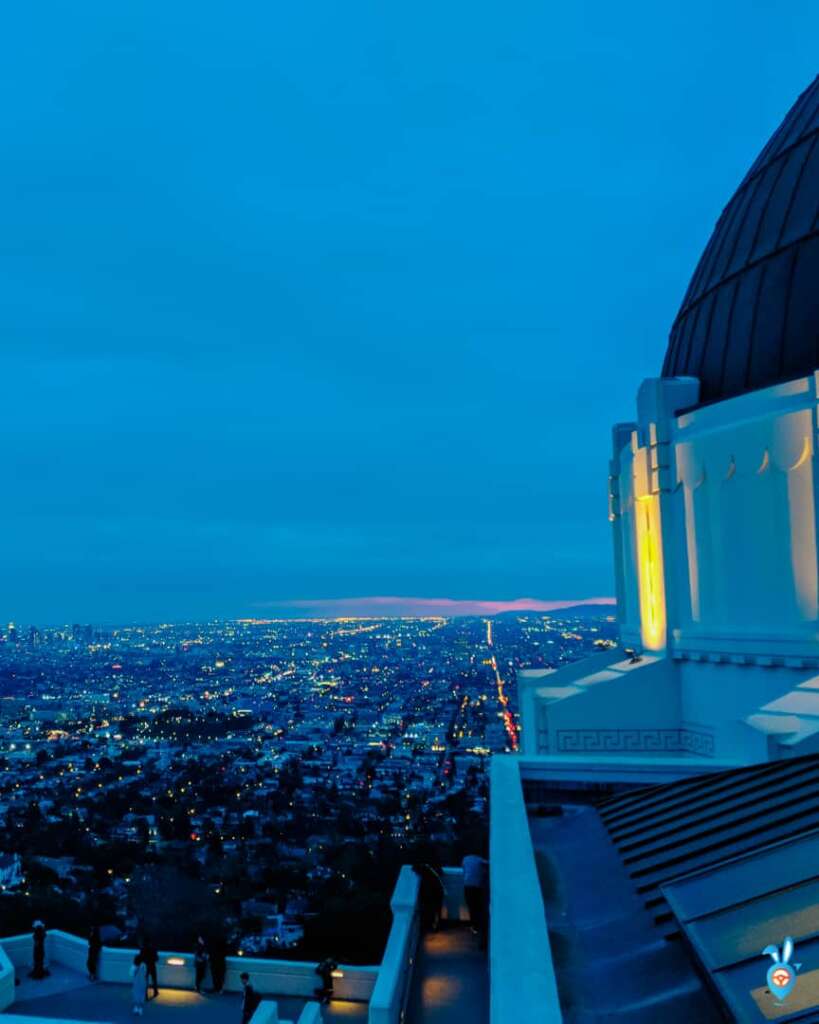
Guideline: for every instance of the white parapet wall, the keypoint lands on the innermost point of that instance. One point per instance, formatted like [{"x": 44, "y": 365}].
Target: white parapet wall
[
  {"x": 176, "y": 970},
  {"x": 389, "y": 997},
  {"x": 385, "y": 988},
  {"x": 18, "y": 948},
  {"x": 71, "y": 952},
  {"x": 269, "y": 977},
  {"x": 522, "y": 985},
  {"x": 311, "y": 1014},
  {"x": 268, "y": 1013},
  {"x": 17, "y": 1018},
  {"x": 6, "y": 981}
]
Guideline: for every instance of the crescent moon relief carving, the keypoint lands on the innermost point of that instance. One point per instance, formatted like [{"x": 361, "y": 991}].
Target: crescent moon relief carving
[
  {"x": 765, "y": 464},
  {"x": 690, "y": 467},
  {"x": 732, "y": 468},
  {"x": 804, "y": 455},
  {"x": 696, "y": 484}
]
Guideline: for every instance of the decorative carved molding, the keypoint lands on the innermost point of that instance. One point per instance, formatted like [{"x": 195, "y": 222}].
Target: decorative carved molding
[{"x": 645, "y": 741}]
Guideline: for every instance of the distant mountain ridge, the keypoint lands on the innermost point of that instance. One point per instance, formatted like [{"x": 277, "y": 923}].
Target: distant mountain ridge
[
  {"x": 577, "y": 611},
  {"x": 389, "y": 606}
]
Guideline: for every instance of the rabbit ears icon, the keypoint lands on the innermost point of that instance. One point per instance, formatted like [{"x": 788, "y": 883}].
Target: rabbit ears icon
[
  {"x": 781, "y": 975},
  {"x": 783, "y": 957}
]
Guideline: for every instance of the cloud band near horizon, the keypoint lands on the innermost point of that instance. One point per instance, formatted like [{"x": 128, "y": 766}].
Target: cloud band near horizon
[{"x": 422, "y": 606}]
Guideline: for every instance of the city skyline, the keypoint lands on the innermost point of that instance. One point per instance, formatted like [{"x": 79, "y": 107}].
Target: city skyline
[
  {"x": 253, "y": 763},
  {"x": 375, "y": 608}
]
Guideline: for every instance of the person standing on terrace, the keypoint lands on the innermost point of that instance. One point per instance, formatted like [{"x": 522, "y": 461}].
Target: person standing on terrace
[
  {"x": 250, "y": 1000},
  {"x": 325, "y": 971},
  {"x": 38, "y": 970},
  {"x": 94, "y": 950},
  {"x": 200, "y": 961},
  {"x": 150, "y": 957},
  {"x": 218, "y": 963},
  {"x": 475, "y": 893},
  {"x": 430, "y": 895},
  {"x": 139, "y": 985}
]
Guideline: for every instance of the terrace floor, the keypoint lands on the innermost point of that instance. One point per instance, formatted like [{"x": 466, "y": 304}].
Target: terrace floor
[
  {"x": 611, "y": 962},
  {"x": 451, "y": 980},
  {"x": 68, "y": 995}
]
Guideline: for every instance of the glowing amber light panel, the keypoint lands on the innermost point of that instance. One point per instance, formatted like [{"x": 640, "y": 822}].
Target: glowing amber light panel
[{"x": 650, "y": 576}]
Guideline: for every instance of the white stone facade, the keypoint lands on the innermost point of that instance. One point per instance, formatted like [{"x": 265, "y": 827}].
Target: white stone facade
[{"x": 714, "y": 515}]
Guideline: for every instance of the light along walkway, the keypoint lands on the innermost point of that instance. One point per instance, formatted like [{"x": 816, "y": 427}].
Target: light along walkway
[{"x": 451, "y": 980}]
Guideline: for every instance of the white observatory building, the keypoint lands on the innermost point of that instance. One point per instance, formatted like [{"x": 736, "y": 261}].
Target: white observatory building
[{"x": 713, "y": 503}]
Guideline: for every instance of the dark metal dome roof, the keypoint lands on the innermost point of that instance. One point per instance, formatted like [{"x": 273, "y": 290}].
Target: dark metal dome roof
[{"x": 750, "y": 317}]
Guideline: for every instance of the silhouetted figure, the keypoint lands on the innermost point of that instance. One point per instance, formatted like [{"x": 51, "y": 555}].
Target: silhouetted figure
[
  {"x": 430, "y": 896},
  {"x": 94, "y": 950},
  {"x": 475, "y": 893},
  {"x": 250, "y": 1000},
  {"x": 139, "y": 985},
  {"x": 325, "y": 971},
  {"x": 38, "y": 935},
  {"x": 150, "y": 957},
  {"x": 218, "y": 964},
  {"x": 200, "y": 963}
]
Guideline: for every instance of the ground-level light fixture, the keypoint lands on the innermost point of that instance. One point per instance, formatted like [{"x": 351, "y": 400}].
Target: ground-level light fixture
[{"x": 175, "y": 961}]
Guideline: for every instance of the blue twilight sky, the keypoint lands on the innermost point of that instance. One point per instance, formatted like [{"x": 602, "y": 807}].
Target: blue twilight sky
[{"x": 327, "y": 300}]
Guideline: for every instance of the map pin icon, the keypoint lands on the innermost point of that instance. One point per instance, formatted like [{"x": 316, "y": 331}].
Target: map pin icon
[{"x": 781, "y": 979}]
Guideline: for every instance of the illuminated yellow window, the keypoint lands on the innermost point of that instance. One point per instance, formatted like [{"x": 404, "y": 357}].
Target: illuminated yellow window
[{"x": 650, "y": 575}]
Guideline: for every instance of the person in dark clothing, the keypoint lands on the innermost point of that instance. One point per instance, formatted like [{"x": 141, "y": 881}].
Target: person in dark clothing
[
  {"x": 250, "y": 1000},
  {"x": 94, "y": 950},
  {"x": 200, "y": 962},
  {"x": 325, "y": 971},
  {"x": 150, "y": 957},
  {"x": 430, "y": 896},
  {"x": 476, "y": 894},
  {"x": 139, "y": 985},
  {"x": 38, "y": 969},
  {"x": 218, "y": 964}
]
